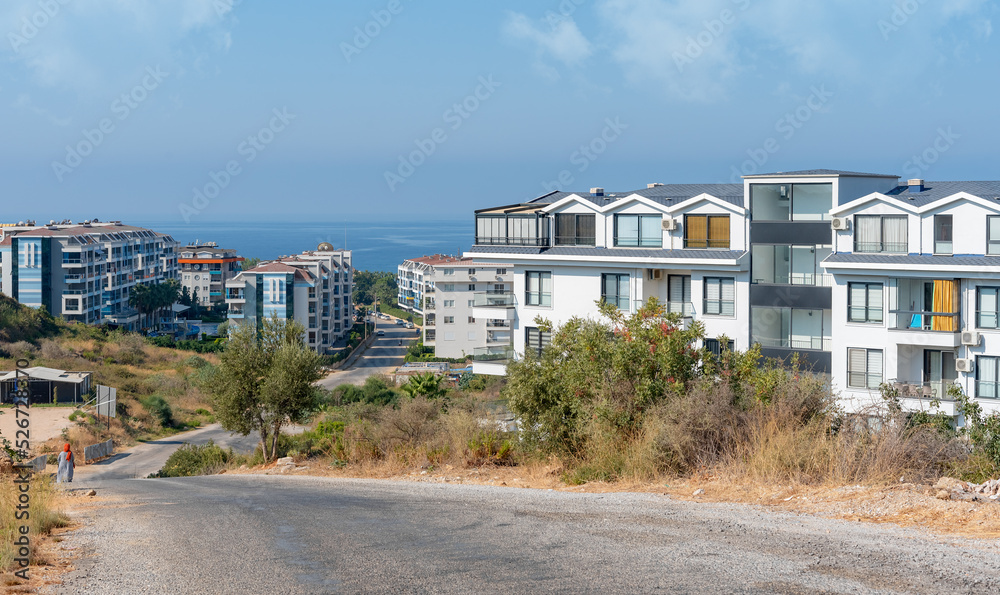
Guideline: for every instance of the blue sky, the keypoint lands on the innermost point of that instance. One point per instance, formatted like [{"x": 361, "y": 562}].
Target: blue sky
[{"x": 322, "y": 111}]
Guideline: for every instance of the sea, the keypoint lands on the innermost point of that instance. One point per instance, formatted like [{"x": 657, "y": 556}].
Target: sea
[{"x": 375, "y": 245}]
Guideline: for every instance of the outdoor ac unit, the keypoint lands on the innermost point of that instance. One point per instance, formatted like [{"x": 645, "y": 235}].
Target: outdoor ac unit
[
  {"x": 840, "y": 223},
  {"x": 970, "y": 338},
  {"x": 656, "y": 274},
  {"x": 963, "y": 365},
  {"x": 669, "y": 224}
]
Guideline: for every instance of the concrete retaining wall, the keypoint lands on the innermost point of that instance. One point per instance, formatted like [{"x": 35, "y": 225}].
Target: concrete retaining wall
[{"x": 98, "y": 451}]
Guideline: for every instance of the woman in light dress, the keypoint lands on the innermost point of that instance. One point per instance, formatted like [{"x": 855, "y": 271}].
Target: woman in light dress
[{"x": 67, "y": 462}]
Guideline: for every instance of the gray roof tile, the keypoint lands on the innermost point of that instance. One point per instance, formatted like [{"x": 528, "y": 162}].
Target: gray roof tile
[
  {"x": 822, "y": 172},
  {"x": 611, "y": 252},
  {"x": 937, "y": 190},
  {"x": 914, "y": 259}
]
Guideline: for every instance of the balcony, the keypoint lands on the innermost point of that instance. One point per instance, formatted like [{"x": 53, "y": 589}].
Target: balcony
[
  {"x": 74, "y": 279},
  {"x": 935, "y": 390},
  {"x": 491, "y": 360},
  {"x": 491, "y": 324},
  {"x": 496, "y": 306},
  {"x": 498, "y": 337}
]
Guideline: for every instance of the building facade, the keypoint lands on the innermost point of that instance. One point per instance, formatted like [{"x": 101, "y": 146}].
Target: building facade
[
  {"x": 445, "y": 290},
  {"x": 84, "y": 272},
  {"x": 858, "y": 274},
  {"x": 205, "y": 269},
  {"x": 315, "y": 288}
]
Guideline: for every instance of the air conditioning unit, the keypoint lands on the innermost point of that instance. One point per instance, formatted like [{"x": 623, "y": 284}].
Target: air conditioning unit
[
  {"x": 656, "y": 274},
  {"x": 669, "y": 224},
  {"x": 840, "y": 223},
  {"x": 970, "y": 338},
  {"x": 963, "y": 365}
]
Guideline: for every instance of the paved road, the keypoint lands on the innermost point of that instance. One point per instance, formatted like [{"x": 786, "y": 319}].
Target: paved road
[
  {"x": 149, "y": 457},
  {"x": 382, "y": 357},
  {"x": 286, "y": 534}
]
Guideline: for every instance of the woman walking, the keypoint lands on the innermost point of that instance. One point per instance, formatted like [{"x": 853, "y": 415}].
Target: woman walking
[{"x": 66, "y": 465}]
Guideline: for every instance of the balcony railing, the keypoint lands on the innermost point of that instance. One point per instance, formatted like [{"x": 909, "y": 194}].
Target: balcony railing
[
  {"x": 812, "y": 343},
  {"x": 492, "y": 354},
  {"x": 919, "y": 320},
  {"x": 498, "y": 337},
  {"x": 935, "y": 389},
  {"x": 494, "y": 300},
  {"x": 505, "y": 241},
  {"x": 497, "y": 324},
  {"x": 685, "y": 309},
  {"x": 880, "y": 247}
]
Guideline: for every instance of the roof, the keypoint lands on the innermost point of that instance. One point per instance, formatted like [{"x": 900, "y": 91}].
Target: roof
[
  {"x": 280, "y": 267},
  {"x": 913, "y": 259},
  {"x": 933, "y": 191},
  {"x": 435, "y": 259},
  {"x": 42, "y": 373},
  {"x": 664, "y": 194},
  {"x": 822, "y": 173},
  {"x": 694, "y": 254}
]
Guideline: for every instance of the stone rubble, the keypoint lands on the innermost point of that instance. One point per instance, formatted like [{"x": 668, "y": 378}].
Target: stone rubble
[{"x": 949, "y": 488}]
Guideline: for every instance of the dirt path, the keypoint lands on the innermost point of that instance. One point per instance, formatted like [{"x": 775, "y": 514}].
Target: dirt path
[{"x": 46, "y": 422}]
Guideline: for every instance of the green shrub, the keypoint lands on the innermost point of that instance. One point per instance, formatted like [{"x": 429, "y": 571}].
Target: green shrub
[
  {"x": 192, "y": 459},
  {"x": 159, "y": 409},
  {"x": 490, "y": 448}
]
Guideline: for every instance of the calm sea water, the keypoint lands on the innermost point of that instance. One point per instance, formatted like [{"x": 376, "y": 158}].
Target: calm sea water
[{"x": 376, "y": 246}]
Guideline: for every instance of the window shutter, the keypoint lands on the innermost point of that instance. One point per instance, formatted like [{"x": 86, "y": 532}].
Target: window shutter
[
  {"x": 728, "y": 297},
  {"x": 856, "y": 363},
  {"x": 874, "y": 368}
]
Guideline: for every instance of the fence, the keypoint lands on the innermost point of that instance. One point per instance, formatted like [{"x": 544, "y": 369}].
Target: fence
[{"x": 98, "y": 451}]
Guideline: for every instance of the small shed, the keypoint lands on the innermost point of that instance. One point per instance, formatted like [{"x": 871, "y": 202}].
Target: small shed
[{"x": 48, "y": 385}]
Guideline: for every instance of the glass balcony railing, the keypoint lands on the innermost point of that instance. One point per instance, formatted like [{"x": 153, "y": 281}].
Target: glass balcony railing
[
  {"x": 494, "y": 300},
  {"x": 685, "y": 309},
  {"x": 934, "y": 389},
  {"x": 913, "y": 320},
  {"x": 492, "y": 354}
]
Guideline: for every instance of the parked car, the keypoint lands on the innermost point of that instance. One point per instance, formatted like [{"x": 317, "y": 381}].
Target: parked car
[
  {"x": 409, "y": 325},
  {"x": 380, "y": 333},
  {"x": 398, "y": 321}
]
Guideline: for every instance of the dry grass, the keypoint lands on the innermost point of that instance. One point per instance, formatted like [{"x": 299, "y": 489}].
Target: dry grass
[{"x": 44, "y": 515}]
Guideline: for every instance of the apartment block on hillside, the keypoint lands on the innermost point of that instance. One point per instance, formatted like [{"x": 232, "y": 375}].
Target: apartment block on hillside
[
  {"x": 84, "y": 272},
  {"x": 445, "y": 290},
  {"x": 315, "y": 288},
  {"x": 860, "y": 275},
  {"x": 205, "y": 269}
]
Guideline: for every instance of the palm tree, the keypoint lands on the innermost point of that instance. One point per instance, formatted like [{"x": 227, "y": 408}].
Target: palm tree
[{"x": 428, "y": 385}]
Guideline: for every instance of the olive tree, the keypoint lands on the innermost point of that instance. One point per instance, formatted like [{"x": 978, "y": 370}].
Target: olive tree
[{"x": 265, "y": 381}]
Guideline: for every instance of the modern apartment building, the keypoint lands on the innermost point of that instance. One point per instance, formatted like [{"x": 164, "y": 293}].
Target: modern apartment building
[
  {"x": 204, "y": 270},
  {"x": 857, "y": 273},
  {"x": 314, "y": 288},
  {"x": 445, "y": 290},
  {"x": 84, "y": 272}
]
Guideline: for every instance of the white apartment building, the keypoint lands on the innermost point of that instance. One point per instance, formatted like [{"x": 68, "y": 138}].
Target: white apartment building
[
  {"x": 861, "y": 276},
  {"x": 84, "y": 272},
  {"x": 445, "y": 290},
  {"x": 315, "y": 288},
  {"x": 204, "y": 270}
]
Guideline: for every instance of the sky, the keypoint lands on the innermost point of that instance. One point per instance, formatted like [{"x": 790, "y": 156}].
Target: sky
[{"x": 204, "y": 111}]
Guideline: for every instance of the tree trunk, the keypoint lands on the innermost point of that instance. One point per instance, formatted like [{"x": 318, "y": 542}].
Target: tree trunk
[{"x": 274, "y": 440}]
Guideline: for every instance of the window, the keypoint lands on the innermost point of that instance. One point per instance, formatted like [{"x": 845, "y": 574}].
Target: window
[
  {"x": 471, "y": 303},
  {"x": 472, "y": 320},
  {"x": 993, "y": 234},
  {"x": 449, "y": 320},
  {"x": 472, "y": 286},
  {"x": 538, "y": 288},
  {"x": 880, "y": 233},
  {"x": 720, "y": 296},
  {"x": 574, "y": 230},
  {"x": 714, "y": 346},
  {"x": 501, "y": 271},
  {"x": 790, "y": 265},
  {"x": 448, "y": 272},
  {"x": 639, "y": 231},
  {"x": 706, "y": 231},
  {"x": 986, "y": 307},
  {"x": 864, "y": 302},
  {"x": 942, "y": 234},
  {"x": 449, "y": 303},
  {"x": 864, "y": 368},
  {"x": 535, "y": 340},
  {"x": 791, "y": 202},
  {"x": 614, "y": 290},
  {"x": 430, "y": 334},
  {"x": 447, "y": 287},
  {"x": 472, "y": 272},
  {"x": 679, "y": 295},
  {"x": 987, "y": 377}
]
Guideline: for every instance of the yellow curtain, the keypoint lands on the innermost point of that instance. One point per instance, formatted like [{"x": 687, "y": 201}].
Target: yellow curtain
[
  {"x": 945, "y": 300},
  {"x": 697, "y": 231},
  {"x": 718, "y": 232}
]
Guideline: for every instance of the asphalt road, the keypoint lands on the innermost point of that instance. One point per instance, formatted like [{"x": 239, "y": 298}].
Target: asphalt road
[
  {"x": 382, "y": 357},
  {"x": 149, "y": 457},
  {"x": 288, "y": 534}
]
